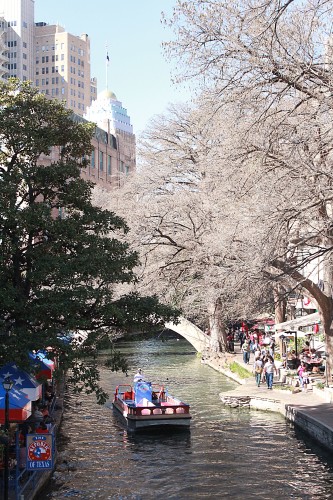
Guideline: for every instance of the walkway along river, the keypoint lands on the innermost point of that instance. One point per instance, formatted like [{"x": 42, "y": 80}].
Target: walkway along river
[{"x": 238, "y": 454}]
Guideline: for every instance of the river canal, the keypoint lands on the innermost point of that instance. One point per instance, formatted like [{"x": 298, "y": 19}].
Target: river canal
[{"x": 229, "y": 453}]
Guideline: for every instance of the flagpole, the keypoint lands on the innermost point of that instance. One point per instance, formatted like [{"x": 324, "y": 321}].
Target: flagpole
[{"x": 107, "y": 67}]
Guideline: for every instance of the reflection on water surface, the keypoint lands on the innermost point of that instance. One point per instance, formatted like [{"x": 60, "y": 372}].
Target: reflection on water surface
[{"x": 229, "y": 453}]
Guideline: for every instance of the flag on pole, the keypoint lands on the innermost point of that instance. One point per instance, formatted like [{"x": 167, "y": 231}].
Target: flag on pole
[{"x": 107, "y": 57}]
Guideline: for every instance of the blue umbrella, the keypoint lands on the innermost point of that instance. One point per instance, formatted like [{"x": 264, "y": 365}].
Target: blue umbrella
[
  {"x": 46, "y": 365},
  {"x": 19, "y": 404},
  {"x": 22, "y": 380}
]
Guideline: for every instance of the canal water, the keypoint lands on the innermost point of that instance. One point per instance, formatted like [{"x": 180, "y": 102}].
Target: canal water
[{"x": 228, "y": 453}]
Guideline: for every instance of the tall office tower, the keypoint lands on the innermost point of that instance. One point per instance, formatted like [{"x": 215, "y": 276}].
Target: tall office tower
[
  {"x": 63, "y": 66},
  {"x": 19, "y": 17},
  {"x": 4, "y": 60},
  {"x": 109, "y": 114}
]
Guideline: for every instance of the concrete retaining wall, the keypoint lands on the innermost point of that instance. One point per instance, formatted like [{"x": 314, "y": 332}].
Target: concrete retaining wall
[
  {"x": 316, "y": 429},
  {"x": 313, "y": 427}
]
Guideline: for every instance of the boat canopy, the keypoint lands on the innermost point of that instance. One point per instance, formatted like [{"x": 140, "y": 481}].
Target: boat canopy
[{"x": 143, "y": 392}]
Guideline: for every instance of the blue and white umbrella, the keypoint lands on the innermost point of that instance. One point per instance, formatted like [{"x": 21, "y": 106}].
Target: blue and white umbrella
[
  {"x": 22, "y": 380},
  {"x": 19, "y": 404}
]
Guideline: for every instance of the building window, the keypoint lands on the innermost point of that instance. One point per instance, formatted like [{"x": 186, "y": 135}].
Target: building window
[
  {"x": 101, "y": 161},
  {"x": 24, "y": 56},
  {"x": 92, "y": 160},
  {"x": 37, "y": 82},
  {"x": 109, "y": 164}
]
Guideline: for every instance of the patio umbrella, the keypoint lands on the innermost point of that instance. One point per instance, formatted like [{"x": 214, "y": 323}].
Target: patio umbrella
[
  {"x": 19, "y": 404},
  {"x": 266, "y": 341},
  {"x": 23, "y": 381},
  {"x": 45, "y": 365}
]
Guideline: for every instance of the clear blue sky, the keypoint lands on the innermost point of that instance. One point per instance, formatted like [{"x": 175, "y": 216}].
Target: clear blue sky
[{"x": 138, "y": 73}]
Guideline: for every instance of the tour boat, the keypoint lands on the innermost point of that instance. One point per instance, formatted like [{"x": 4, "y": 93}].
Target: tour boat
[{"x": 147, "y": 406}]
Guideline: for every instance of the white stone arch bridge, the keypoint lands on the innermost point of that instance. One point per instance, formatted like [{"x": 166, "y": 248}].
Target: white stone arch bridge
[{"x": 191, "y": 333}]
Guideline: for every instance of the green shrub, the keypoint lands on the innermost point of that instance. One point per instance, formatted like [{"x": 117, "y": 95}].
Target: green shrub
[
  {"x": 283, "y": 387},
  {"x": 239, "y": 370}
]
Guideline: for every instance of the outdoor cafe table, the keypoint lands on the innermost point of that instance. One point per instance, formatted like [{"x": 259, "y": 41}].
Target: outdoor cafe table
[{"x": 313, "y": 364}]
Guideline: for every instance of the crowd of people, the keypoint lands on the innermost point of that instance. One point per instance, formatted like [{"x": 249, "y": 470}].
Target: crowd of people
[{"x": 262, "y": 346}]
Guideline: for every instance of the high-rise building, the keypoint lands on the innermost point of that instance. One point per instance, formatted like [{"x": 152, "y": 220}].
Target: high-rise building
[
  {"x": 18, "y": 16},
  {"x": 4, "y": 60},
  {"x": 58, "y": 63},
  {"x": 109, "y": 115},
  {"x": 62, "y": 66}
]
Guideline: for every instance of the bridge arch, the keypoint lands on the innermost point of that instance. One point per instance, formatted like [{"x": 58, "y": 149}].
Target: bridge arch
[{"x": 191, "y": 333}]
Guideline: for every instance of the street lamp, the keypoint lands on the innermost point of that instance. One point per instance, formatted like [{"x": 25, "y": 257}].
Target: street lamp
[{"x": 7, "y": 385}]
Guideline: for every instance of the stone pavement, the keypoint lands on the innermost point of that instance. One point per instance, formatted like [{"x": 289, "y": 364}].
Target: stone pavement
[{"x": 306, "y": 409}]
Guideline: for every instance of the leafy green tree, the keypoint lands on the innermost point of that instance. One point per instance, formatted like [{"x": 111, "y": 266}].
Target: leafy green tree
[{"x": 63, "y": 264}]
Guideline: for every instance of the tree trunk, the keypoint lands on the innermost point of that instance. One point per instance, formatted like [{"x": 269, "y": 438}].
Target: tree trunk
[
  {"x": 326, "y": 316},
  {"x": 218, "y": 336},
  {"x": 280, "y": 303}
]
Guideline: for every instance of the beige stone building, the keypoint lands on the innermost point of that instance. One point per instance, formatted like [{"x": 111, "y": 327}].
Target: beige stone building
[
  {"x": 19, "y": 37},
  {"x": 62, "y": 66},
  {"x": 58, "y": 63},
  {"x": 4, "y": 60}
]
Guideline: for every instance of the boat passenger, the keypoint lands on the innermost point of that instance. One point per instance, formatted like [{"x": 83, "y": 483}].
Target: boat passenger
[{"x": 139, "y": 377}]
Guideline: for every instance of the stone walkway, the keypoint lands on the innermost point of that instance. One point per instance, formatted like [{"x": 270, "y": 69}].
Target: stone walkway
[{"x": 305, "y": 409}]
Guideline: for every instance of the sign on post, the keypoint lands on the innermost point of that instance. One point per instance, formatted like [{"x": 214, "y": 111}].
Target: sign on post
[{"x": 40, "y": 451}]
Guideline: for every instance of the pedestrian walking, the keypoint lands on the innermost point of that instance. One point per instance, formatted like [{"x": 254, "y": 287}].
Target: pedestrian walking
[
  {"x": 303, "y": 376},
  {"x": 258, "y": 368},
  {"x": 246, "y": 352},
  {"x": 269, "y": 368},
  {"x": 241, "y": 337}
]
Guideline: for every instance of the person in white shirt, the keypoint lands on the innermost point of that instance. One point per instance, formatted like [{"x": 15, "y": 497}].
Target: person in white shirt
[
  {"x": 139, "y": 377},
  {"x": 269, "y": 369}
]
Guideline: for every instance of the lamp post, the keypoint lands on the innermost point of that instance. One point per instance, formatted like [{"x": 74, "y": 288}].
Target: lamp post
[{"x": 7, "y": 385}]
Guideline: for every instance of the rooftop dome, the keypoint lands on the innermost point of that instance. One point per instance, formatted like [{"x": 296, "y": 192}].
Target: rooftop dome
[{"x": 107, "y": 94}]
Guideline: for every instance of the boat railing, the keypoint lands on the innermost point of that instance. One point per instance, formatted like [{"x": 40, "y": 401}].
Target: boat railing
[
  {"x": 163, "y": 409},
  {"x": 124, "y": 392}
]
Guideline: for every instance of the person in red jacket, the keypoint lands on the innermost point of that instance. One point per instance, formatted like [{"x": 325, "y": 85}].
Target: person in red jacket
[{"x": 42, "y": 429}]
